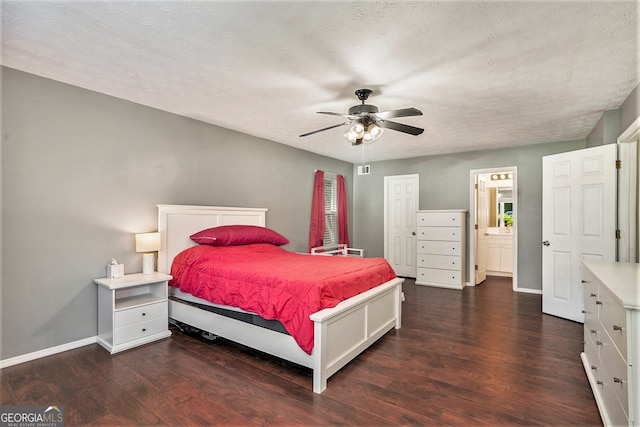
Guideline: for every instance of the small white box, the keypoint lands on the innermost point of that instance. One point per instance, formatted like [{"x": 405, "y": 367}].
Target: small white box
[{"x": 115, "y": 271}]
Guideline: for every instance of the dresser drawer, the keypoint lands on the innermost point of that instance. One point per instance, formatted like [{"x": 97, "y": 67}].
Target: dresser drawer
[
  {"x": 616, "y": 373},
  {"x": 443, "y": 262},
  {"x": 591, "y": 352},
  {"x": 435, "y": 247},
  {"x": 434, "y": 275},
  {"x": 590, "y": 297},
  {"x": 453, "y": 234},
  {"x": 139, "y": 330},
  {"x": 593, "y": 329},
  {"x": 439, "y": 219},
  {"x": 614, "y": 320},
  {"x": 140, "y": 314}
]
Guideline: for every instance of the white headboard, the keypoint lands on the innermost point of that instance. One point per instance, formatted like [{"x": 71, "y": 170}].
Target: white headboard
[{"x": 177, "y": 222}]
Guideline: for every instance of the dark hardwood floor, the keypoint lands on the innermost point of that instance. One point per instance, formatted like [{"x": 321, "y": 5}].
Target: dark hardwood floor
[{"x": 481, "y": 356}]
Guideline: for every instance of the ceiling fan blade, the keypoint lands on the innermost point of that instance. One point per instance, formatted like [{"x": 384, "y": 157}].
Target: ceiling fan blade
[
  {"x": 412, "y": 130},
  {"x": 323, "y": 129},
  {"x": 402, "y": 112},
  {"x": 347, "y": 116}
]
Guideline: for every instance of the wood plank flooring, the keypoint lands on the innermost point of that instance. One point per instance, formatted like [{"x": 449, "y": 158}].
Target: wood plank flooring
[{"x": 481, "y": 356}]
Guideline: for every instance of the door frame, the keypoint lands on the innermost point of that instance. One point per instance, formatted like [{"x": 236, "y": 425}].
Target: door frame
[
  {"x": 627, "y": 250},
  {"x": 471, "y": 228}
]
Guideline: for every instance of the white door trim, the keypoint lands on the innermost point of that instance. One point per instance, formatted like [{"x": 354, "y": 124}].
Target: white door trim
[
  {"x": 627, "y": 194},
  {"x": 471, "y": 226}
]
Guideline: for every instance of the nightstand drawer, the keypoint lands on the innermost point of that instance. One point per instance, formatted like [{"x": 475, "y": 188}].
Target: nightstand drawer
[
  {"x": 130, "y": 316},
  {"x": 139, "y": 330}
]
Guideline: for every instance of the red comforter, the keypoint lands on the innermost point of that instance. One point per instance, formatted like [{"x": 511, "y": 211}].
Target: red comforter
[{"x": 274, "y": 283}]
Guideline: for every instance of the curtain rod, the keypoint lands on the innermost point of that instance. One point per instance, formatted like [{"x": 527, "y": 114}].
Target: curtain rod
[{"x": 328, "y": 173}]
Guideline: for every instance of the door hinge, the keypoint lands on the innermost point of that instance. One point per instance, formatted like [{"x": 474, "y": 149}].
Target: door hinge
[
  {"x": 476, "y": 226},
  {"x": 476, "y": 186},
  {"x": 476, "y": 267},
  {"x": 618, "y": 164},
  {"x": 617, "y": 234}
]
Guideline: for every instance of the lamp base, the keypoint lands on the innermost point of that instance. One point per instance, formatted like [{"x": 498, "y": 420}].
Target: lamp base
[{"x": 148, "y": 261}]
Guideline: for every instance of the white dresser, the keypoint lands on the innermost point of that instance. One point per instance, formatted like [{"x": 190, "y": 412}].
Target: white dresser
[
  {"x": 611, "y": 356},
  {"x": 441, "y": 248}
]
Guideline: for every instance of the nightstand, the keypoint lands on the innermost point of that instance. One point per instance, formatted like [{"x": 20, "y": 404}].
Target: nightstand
[{"x": 132, "y": 310}]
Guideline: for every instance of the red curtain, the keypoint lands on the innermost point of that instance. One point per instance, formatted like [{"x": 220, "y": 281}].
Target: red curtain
[
  {"x": 343, "y": 224},
  {"x": 316, "y": 231}
]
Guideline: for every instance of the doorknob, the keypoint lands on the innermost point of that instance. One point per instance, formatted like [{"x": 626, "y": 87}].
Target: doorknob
[
  {"x": 413, "y": 233},
  {"x": 546, "y": 243}
]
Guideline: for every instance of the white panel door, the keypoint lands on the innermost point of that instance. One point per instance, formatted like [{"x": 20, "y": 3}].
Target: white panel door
[
  {"x": 578, "y": 222},
  {"x": 482, "y": 219},
  {"x": 401, "y": 204}
]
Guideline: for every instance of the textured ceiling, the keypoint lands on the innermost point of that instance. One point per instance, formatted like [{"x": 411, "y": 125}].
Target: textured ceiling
[{"x": 485, "y": 74}]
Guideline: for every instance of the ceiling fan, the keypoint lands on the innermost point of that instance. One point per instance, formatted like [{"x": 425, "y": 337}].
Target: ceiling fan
[{"x": 368, "y": 122}]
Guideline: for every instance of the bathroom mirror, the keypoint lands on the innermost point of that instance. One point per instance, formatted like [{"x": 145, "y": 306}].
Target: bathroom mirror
[{"x": 500, "y": 206}]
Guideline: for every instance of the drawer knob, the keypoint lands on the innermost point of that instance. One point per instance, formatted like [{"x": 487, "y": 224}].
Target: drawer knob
[
  {"x": 144, "y": 329},
  {"x": 598, "y": 302},
  {"x": 144, "y": 314},
  {"x": 618, "y": 380},
  {"x": 594, "y": 368},
  {"x": 593, "y": 331},
  {"x": 598, "y": 342},
  {"x": 584, "y": 281},
  {"x": 599, "y": 382},
  {"x": 593, "y": 295},
  {"x": 617, "y": 328},
  {"x": 584, "y": 311}
]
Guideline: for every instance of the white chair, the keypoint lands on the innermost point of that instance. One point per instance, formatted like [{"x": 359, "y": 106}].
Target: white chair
[{"x": 338, "y": 249}]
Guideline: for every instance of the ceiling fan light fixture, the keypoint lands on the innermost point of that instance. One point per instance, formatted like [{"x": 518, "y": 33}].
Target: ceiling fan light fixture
[
  {"x": 356, "y": 132},
  {"x": 368, "y": 135},
  {"x": 373, "y": 132}
]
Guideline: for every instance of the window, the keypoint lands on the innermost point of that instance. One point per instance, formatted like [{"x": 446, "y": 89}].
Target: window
[{"x": 331, "y": 209}]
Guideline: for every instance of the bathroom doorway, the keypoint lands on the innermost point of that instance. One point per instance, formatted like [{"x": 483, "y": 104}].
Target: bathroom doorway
[{"x": 493, "y": 222}]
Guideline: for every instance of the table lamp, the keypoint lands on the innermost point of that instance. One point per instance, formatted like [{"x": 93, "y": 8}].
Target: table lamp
[{"x": 148, "y": 243}]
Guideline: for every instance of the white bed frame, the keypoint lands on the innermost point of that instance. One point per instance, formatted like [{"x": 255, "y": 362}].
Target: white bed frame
[{"x": 340, "y": 333}]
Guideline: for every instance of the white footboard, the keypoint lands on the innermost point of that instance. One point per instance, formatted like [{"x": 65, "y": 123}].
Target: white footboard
[
  {"x": 344, "y": 331},
  {"x": 341, "y": 332}
]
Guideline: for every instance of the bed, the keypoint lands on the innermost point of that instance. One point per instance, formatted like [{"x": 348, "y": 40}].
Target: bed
[{"x": 340, "y": 333}]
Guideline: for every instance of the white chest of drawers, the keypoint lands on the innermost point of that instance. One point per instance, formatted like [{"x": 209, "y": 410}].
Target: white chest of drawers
[
  {"x": 441, "y": 248},
  {"x": 611, "y": 356},
  {"x": 132, "y": 310}
]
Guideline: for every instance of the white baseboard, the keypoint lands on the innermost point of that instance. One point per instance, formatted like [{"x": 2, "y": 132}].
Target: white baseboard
[
  {"x": 46, "y": 352},
  {"x": 528, "y": 291}
]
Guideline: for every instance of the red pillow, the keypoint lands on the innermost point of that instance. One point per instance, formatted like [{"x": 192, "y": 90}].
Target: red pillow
[{"x": 229, "y": 235}]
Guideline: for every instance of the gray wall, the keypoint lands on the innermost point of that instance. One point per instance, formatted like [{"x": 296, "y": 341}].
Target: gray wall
[
  {"x": 607, "y": 130},
  {"x": 82, "y": 172},
  {"x": 630, "y": 109},
  {"x": 444, "y": 184}
]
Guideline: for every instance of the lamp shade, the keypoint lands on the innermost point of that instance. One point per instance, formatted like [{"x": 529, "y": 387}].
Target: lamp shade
[{"x": 148, "y": 242}]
